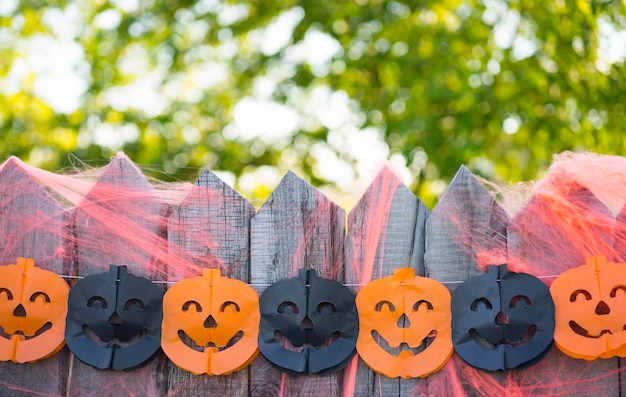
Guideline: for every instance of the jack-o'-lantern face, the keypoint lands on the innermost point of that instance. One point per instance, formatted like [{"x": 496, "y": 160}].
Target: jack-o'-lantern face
[
  {"x": 308, "y": 324},
  {"x": 114, "y": 319},
  {"x": 502, "y": 320},
  {"x": 590, "y": 303},
  {"x": 33, "y": 305},
  {"x": 404, "y": 325},
  {"x": 210, "y": 324}
]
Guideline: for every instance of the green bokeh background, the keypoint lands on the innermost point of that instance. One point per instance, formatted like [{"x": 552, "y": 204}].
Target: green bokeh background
[{"x": 499, "y": 86}]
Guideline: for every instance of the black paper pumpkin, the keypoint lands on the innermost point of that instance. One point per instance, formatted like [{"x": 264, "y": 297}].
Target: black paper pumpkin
[
  {"x": 308, "y": 324},
  {"x": 502, "y": 320},
  {"x": 114, "y": 319}
]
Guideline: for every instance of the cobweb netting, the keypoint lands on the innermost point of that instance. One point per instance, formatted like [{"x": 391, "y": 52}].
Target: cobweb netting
[
  {"x": 81, "y": 222},
  {"x": 542, "y": 228}
]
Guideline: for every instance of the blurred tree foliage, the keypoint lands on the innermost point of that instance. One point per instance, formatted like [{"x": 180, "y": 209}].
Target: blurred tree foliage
[{"x": 497, "y": 85}]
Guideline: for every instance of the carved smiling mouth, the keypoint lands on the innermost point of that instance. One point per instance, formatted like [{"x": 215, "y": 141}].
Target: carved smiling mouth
[
  {"x": 283, "y": 340},
  {"x": 95, "y": 339},
  {"x": 40, "y": 331},
  {"x": 583, "y": 332},
  {"x": 484, "y": 342},
  {"x": 404, "y": 347},
  {"x": 190, "y": 343}
]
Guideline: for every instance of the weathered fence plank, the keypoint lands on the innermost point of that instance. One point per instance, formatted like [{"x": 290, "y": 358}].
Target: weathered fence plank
[
  {"x": 385, "y": 231},
  {"x": 32, "y": 225},
  {"x": 210, "y": 229},
  {"x": 620, "y": 251},
  {"x": 619, "y": 240},
  {"x": 297, "y": 227},
  {"x": 122, "y": 199},
  {"x": 555, "y": 232},
  {"x": 466, "y": 229},
  {"x": 545, "y": 238}
]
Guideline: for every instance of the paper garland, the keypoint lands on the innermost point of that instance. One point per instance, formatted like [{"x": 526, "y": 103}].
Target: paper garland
[
  {"x": 315, "y": 316},
  {"x": 114, "y": 319},
  {"x": 404, "y": 325},
  {"x": 33, "y": 306},
  {"x": 500, "y": 320},
  {"x": 210, "y": 324},
  {"x": 590, "y": 305}
]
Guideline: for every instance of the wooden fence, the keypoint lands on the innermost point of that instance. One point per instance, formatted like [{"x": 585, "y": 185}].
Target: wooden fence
[{"x": 296, "y": 227}]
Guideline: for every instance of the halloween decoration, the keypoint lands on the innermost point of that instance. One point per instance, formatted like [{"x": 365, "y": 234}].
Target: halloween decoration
[
  {"x": 404, "y": 324},
  {"x": 308, "y": 324},
  {"x": 502, "y": 319},
  {"x": 33, "y": 305},
  {"x": 114, "y": 319},
  {"x": 590, "y": 305},
  {"x": 210, "y": 324}
]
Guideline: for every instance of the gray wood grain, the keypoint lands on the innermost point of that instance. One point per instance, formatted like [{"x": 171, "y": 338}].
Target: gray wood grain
[
  {"x": 466, "y": 226},
  {"x": 121, "y": 198},
  {"x": 620, "y": 256},
  {"x": 32, "y": 225},
  {"x": 211, "y": 228},
  {"x": 297, "y": 227},
  {"x": 545, "y": 238},
  {"x": 385, "y": 231},
  {"x": 619, "y": 242},
  {"x": 552, "y": 234}
]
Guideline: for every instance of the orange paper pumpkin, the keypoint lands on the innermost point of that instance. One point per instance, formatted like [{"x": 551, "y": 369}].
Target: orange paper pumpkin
[
  {"x": 33, "y": 306},
  {"x": 404, "y": 325},
  {"x": 210, "y": 324},
  {"x": 590, "y": 310}
]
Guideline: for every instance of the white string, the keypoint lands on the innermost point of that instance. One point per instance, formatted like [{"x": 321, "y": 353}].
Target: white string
[{"x": 267, "y": 285}]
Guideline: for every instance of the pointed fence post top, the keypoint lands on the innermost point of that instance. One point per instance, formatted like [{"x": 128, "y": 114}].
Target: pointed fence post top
[
  {"x": 558, "y": 227},
  {"x": 210, "y": 185},
  {"x": 121, "y": 171},
  {"x": 294, "y": 192},
  {"x": 466, "y": 230}
]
